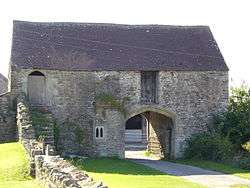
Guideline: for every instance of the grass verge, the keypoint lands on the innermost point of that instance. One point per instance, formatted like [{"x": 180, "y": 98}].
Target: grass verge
[
  {"x": 121, "y": 173},
  {"x": 240, "y": 186},
  {"x": 14, "y": 167}
]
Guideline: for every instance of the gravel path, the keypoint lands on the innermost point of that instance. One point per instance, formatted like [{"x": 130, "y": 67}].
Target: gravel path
[{"x": 201, "y": 176}]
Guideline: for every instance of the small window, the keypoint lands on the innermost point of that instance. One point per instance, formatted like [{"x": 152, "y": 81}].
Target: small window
[{"x": 99, "y": 132}]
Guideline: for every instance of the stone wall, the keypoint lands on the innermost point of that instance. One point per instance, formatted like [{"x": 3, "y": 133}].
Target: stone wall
[
  {"x": 7, "y": 119},
  {"x": 159, "y": 134},
  {"x": 189, "y": 98},
  {"x": 26, "y": 133},
  {"x": 3, "y": 84},
  {"x": 50, "y": 171},
  {"x": 193, "y": 97},
  {"x": 55, "y": 172}
]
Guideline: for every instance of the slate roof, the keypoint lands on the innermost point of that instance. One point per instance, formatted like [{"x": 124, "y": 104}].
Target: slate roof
[{"x": 93, "y": 46}]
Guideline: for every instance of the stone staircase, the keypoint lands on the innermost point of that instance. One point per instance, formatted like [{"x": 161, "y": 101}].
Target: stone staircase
[
  {"x": 43, "y": 122},
  {"x": 48, "y": 133},
  {"x": 135, "y": 140},
  {"x": 135, "y": 146}
]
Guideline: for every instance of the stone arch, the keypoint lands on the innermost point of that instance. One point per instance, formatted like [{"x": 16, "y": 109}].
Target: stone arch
[
  {"x": 139, "y": 110},
  {"x": 36, "y": 89},
  {"x": 167, "y": 125}
]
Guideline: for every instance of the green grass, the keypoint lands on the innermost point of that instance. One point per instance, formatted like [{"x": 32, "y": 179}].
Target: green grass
[
  {"x": 118, "y": 173},
  {"x": 14, "y": 167},
  {"x": 220, "y": 167},
  {"x": 240, "y": 186}
]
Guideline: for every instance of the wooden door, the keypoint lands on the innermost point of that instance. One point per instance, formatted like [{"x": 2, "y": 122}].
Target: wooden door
[{"x": 36, "y": 90}]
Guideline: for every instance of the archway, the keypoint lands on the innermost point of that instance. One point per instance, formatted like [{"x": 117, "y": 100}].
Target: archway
[
  {"x": 136, "y": 129},
  {"x": 36, "y": 88},
  {"x": 156, "y": 131}
]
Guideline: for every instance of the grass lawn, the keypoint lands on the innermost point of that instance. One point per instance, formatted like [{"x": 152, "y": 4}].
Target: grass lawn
[
  {"x": 225, "y": 168},
  {"x": 118, "y": 173},
  {"x": 14, "y": 167},
  {"x": 240, "y": 186}
]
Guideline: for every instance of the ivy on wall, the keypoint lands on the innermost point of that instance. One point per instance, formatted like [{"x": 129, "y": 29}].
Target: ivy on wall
[
  {"x": 109, "y": 100},
  {"x": 78, "y": 130},
  {"x": 79, "y": 133},
  {"x": 56, "y": 134},
  {"x": 40, "y": 119}
]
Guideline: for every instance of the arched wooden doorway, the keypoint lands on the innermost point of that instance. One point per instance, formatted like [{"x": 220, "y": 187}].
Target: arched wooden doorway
[{"x": 36, "y": 88}]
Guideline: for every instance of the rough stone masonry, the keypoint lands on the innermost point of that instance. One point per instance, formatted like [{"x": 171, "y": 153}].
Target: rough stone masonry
[
  {"x": 94, "y": 77},
  {"x": 3, "y": 84}
]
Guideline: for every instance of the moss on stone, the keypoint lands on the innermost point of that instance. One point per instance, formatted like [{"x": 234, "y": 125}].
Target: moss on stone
[{"x": 109, "y": 100}]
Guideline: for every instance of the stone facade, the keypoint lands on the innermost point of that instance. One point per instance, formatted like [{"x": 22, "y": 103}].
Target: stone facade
[
  {"x": 188, "y": 98},
  {"x": 7, "y": 113},
  {"x": 8, "y": 128},
  {"x": 3, "y": 84}
]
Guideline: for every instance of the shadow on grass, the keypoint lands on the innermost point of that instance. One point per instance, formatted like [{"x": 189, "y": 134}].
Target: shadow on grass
[
  {"x": 114, "y": 166},
  {"x": 125, "y": 167}
]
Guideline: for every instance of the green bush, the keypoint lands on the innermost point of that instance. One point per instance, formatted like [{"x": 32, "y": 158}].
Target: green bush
[
  {"x": 228, "y": 139},
  {"x": 244, "y": 162},
  {"x": 207, "y": 146},
  {"x": 235, "y": 122}
]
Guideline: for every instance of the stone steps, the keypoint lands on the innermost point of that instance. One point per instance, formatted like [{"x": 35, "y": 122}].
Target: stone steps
[
  {"x": 45, "y": 128},
  {"x": 135, "y": 146}
]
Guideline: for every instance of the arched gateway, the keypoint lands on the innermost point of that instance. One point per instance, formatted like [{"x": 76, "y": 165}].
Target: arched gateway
[{"x": 150, "y": 129}]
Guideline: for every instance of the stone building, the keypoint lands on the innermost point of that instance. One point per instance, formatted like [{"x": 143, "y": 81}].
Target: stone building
[
  {"x": 3, "y": 84},
  {"x": 111, "y": 87}
]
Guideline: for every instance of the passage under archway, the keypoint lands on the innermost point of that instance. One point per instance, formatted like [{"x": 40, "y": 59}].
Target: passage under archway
[
  {"x": 136, "y": 133},
  {"x": 36, "y": 88},
  {"x": 149, "y": 131}
]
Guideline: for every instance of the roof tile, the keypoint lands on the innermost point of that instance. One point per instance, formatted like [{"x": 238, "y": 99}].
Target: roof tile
[{"x": 91, "y": 46}]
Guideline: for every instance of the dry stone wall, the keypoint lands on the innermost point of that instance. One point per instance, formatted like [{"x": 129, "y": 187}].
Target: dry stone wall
[
  {"x": 26, "y": 133},
  {"x": 55, "y": 172}
]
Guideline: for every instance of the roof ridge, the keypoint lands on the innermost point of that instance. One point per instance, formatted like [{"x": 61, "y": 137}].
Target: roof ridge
[{"x": 107, "y": 24}]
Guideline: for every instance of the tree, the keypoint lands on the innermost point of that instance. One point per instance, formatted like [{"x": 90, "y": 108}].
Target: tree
[{"x": 235, "y": 122}]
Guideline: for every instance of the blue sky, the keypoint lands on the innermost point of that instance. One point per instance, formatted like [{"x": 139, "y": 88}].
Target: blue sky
[{"x": 228, "y": 20}]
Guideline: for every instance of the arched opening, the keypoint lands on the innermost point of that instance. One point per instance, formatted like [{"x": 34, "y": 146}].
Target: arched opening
[
  {"x": 136, "y": 133},
  {"x": 36, "y": 88},
  {"x": 149, "y": 131}
]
